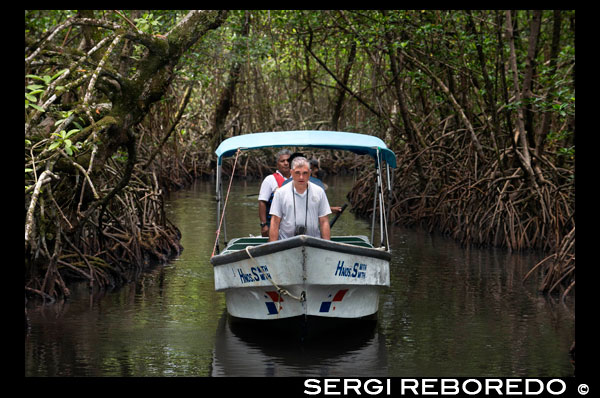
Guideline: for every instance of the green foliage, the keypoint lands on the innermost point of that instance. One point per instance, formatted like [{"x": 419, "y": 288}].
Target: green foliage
[
  {"x": 31, "y": 96},
  {"x": 38, "y": 22},
  {"x": 467, "y": 50},
  {"x": 64, "y": 116},
  {"x": 148, "y": 23},
  {"x": 61, "y": 140}
]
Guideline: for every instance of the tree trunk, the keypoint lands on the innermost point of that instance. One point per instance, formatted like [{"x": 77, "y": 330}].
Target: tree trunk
[
  {"x": 534, "y": 35},
  {"x": 415, "y": 141},
  {"x": 134, "y": 96},
  {"x": 337, "y": 111},
  {"x": 542, "y": 132},
  {"x": 490, "y": 100},
  {"x": 523, "y": 153},
  {"x": 227, "y": 93}
]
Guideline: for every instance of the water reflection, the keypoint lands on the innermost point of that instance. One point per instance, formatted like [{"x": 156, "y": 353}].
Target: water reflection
[
  {"x": 456, "y": 311},
  {"x": 250, "y": 349}
]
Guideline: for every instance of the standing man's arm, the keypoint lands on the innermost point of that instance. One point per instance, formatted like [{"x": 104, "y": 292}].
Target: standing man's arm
[
  {"x": 324, "y": 227},
  {"x": 274, "y": 228},
  {"x": 262, "y": 215},
  {"x": 264, "y": 194}
]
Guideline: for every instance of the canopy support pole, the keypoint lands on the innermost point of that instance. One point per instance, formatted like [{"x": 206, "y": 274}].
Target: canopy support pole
[
  {"x": 383, "y": 227},
  {"x": 219, "y": 195},
  {"x": 390, "y": 193},
  {"x": 374, "y": 211},
  {"x": 380, "y": 194}
]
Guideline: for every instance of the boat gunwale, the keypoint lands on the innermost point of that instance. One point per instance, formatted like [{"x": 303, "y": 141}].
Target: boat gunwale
[{"x": 299, "y": 241}]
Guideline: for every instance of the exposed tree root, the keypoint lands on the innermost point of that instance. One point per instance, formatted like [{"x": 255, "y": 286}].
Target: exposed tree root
[{"x": 134, "y": 235}]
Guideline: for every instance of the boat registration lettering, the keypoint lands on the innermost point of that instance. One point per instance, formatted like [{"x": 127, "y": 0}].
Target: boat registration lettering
[
  {"x": 358, "y": 270},
  {"x": 256, "y": 274}
]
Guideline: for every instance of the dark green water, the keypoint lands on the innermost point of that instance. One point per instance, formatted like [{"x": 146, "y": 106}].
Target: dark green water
[{"x": 450, "y": 311}]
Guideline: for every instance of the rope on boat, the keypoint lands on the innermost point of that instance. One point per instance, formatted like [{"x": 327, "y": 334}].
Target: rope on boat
[
  {"x": 280, "y": 290},
  {"x": 237, "y": 154}
]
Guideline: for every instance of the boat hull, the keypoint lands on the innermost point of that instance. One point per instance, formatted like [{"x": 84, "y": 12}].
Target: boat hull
[{"x": 302, "y": 276}]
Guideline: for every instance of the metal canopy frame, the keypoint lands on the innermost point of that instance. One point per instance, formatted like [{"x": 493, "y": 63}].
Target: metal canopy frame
[
  {"x": 358, "y": 143},
  {"x": 361, "y": 144}
]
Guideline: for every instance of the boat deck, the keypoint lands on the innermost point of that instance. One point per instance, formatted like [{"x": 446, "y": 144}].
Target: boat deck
[{"x": 237, "y": 244}]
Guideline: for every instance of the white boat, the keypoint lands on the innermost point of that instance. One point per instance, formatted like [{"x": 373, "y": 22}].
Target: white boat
[{"x": 304, "y": 276}]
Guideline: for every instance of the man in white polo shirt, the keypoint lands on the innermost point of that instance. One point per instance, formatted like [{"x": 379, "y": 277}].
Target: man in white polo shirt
[{"x": 299, "y": 208}]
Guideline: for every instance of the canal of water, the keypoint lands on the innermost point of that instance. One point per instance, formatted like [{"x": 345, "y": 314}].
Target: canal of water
[{"x": 450, "y": 311}]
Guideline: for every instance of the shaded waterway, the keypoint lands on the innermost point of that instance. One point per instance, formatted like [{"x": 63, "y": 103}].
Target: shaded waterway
[{"x": 450, "y": 311}]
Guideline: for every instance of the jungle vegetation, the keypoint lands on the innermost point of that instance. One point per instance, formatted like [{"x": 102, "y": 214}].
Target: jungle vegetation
[{"x": 122, "y": 106}]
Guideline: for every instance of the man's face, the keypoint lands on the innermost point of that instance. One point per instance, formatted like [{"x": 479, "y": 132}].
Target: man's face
[
  {"x": 283, "y": 164},
  {"x": 300, "y": 176}
]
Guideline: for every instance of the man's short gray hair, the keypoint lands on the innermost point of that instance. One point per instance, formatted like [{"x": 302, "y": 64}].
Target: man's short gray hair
[
  {"x": 299, "y": 161},
  {"x": 281, "y": 153}
]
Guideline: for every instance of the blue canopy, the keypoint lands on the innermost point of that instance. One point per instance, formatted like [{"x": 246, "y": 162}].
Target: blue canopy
[{"x": 361, "y": 144}]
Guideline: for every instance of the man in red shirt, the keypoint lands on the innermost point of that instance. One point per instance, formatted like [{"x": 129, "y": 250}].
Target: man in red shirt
[{"x": 268, "y": 187}]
